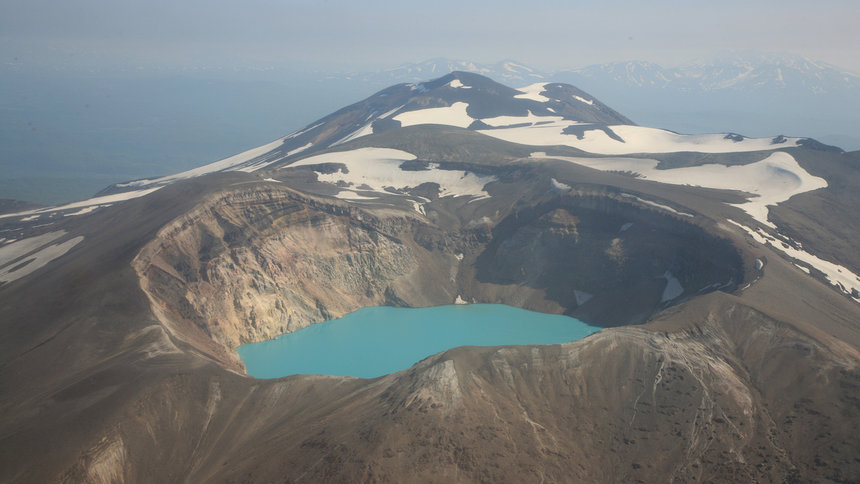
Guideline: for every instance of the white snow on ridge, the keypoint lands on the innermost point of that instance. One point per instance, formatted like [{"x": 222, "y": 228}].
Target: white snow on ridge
[
  {"x": 221, "y": 165},
  {"x": 836, "y": 274},
  {"x": 378, "y": 169},
  {"x": 104, "y": 200},
  {"x": 224, "y": 164},
  {"x": 362, "y": 131},
  {"x": 298, "y": 133},
  {"x": 453, "y": 115},
  {"x": 533, "y": 92},
  {"x": 457, "y": 84},
  {"x": 774, "y": 179}
]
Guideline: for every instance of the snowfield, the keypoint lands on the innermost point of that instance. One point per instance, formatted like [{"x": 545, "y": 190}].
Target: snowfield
[
  {"x": 378, "y": 170},
  {"x": 774, "y": 179}
]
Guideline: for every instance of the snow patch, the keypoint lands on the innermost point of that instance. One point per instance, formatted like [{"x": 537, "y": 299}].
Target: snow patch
[
  {"x": 298, "y": 150},
  {"x": 350, "y": 195},
  {"x": 460, "y": 300},
  {"x": 559, "y": 186},
  {"x": 625, "y": 227},
  {"x": 590, "y": 102},
  {"x": 582, "y": 297},
  {"x": 84, "y": 210},
  {"x": 457, "y": 84},
  {"x": 453, "y": 115},
  {"x": 533, "y": 92},
  {"x": 673, "y": 287}
]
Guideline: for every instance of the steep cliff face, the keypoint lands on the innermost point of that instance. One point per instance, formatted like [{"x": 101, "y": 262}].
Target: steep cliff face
[
  {"x": 604, "y": 259},
  {"x": 250, "y": 265}
]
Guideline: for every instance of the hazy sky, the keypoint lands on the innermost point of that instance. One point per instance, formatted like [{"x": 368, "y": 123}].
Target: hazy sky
[{"x": 546, "y": 34}]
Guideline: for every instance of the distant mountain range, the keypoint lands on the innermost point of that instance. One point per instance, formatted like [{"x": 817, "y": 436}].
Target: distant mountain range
[
  {"x": 754, "y": 93},
  {"x": 747, "y": 71}
]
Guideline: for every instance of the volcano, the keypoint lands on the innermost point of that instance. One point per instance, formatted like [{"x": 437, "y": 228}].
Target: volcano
[{"x": 722, "y": 268}]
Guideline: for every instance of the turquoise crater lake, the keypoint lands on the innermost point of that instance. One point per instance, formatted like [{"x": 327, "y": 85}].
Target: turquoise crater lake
[{"x": 375, "y": 341}]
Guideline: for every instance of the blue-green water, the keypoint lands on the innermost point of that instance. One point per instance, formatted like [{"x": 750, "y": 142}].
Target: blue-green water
[{"x": 379, "y": 340}]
